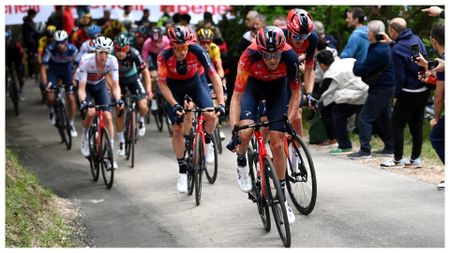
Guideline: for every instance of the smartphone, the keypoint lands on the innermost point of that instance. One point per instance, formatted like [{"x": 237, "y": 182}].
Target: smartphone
[
  {"x": 379, "y": 37},
  {"x": 414, "y": 51},
  {"x": 432, "y": 64}
]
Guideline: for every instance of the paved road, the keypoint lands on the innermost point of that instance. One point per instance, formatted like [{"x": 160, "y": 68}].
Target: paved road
[{"x": 357, "y": 205}]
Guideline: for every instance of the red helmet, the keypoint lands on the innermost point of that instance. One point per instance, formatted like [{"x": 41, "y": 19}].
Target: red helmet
[
  {"x": 193, "y": 36},
  {"x": 179, "y": 35},
  {"x": 299, "y": 22},
  {"x": 270, "y": 39}
]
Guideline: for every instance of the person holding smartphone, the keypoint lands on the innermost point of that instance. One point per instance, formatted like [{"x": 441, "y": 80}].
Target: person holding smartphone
[{"x": 410, "y": 94}]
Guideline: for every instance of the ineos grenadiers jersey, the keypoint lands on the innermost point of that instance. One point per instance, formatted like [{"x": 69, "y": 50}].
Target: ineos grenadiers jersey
[
  {"x": 252, "y": 65},
  {"x": 88, "y": 69},
  {"x": 168, "y": 67},
  {"x": 308, "y": 47},
  {"x": 131, "y": 64},
  {"x": 53, "y": 57}
]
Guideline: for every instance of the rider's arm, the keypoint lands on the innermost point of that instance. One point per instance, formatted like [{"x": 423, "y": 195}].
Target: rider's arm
[
  {"x": 293, "y": 76},
  {"x": 162, "y": 75},
  {"x": 147, "y": 80},
  {"x": 142, "y": 67},
  {"x": 44, "y": 65},
  {"x": 82, "y": 75},
  {"x": 115, "y": 89},
  {"x": 309, "y": 63},
  {"x": 235, "y": 108},
  {"x": 239, "y": 89}
]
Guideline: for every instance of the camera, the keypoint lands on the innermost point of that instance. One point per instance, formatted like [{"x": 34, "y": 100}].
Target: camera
[
  {"x": 432, "y": 64},
  {"x": 414, "y": 52},
  {"x": 379, "y": 37}
]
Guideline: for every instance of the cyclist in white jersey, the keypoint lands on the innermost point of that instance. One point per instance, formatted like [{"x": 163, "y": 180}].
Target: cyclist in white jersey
[{"x": 92, "y": 71}]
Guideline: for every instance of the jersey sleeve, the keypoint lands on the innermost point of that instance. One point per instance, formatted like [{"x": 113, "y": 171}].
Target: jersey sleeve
[
  {"x": 293, "y": 72},
  {"x": 243, "y": 72},
  {"x": 162, "y": 67},
  {"x": 114, "y": 69},
  {"x": 313, "y": 40},
  {"x": 138, "y": 60},
  {"x": 82, "y": 71},
  {"x": 203, "y": 58},
  {"x": 47, "y": 55},
  {"x": 214, "y": 53},
  {"x": 146, "y": 49}
]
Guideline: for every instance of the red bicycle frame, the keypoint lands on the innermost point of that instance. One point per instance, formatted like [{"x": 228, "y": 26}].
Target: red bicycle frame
[
  {"x": 262, "y": 151},
  {"x": 199, "y": 130},
  {"x": 101, "y": 125}
]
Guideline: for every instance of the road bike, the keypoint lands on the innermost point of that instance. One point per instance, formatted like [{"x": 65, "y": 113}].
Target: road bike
[
  {"x": 131, "y": 128},
  {"x": 62, "y": 122}
]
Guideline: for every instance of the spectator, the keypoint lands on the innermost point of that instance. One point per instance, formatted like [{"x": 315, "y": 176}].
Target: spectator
[
  {"x": 328, "y": 38},
  {"x": 208, "y": 22},
  {"x": 56, "y": 18},
  {"x": 30, "y": 39},
  {"x": 82, "y": 34},
  {"x": 68, "y": 20},
  {"x": 114, "y": 30},
  {"x": 410, "y": 94},
  {"x": 162, "y": 21},
  {"x": 249, "y": 37},
  {"x": 145, "y": 21},
  {"x": 280, "y": 21},
  {"x": 13, "y": 59},
  {"x": 249, "y": 19},
  {"x": 81, "y": 10},
  {"x": 127, "y": 16},
  {"x": 185, "y": 20},
  {"x": 378, "y": 70},
  {"x": 357, "y": 43},
  {"x": 347, "y": 92},
  {"x": 105, "y": 21},
  {"x": 434, "y": 11}
]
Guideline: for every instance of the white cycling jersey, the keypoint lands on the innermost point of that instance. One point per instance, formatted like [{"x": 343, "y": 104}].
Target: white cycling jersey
[{"x": 88, "y": 69}]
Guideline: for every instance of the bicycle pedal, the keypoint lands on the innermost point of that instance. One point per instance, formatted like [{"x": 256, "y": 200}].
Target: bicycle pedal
[{"x": 252, "y": 197}]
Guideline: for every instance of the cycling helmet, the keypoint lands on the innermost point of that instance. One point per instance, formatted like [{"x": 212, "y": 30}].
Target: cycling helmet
[
  {"x": 60, "y": 36},
  {"x": 270, "y": 39},
  {"x": 205, "y": 34},
  {"x": 192, "y": 36},
  {"x": 179, "y": 35},
  {"x": 142, "y": 31},
  {"x": 103, "y": 44},
  {"x": 116, "y": 25},
  {"x": 157, "y": 33},
  {"x": 122, "y": 40},
  {"x": 299, "y": 22},
  {"x": 94, "y": 30},
  {"x": 50, "y": 30}
]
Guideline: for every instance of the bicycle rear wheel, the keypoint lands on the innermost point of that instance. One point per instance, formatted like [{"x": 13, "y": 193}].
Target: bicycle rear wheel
[
  {"x": 199, "y": 165},
  {"x": 127, "y": 134},
  {"x": 159, "y": 114},
  {"x": 93, "y": 157},
  {"x": 255, "y": 194},
  {"x": 211, "y": 169},
  {"x": 302, "y": 186},
  {"x": 219, "y": 140},
  {"x": 189, "y": 162},
  {"x": 107, "y": 159},
  {"x": 133, "y": 137},
  {"x": 63, "y": 124},
  {"x": 275, "y": 197}
]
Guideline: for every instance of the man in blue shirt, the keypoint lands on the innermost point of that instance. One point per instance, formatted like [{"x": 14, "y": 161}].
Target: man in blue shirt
[
  {"x": 357, "y": 43},
  {"x": 378, "y": 105}
]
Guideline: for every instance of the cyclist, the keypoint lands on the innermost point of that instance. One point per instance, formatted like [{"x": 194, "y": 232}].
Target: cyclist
[
  {"x": 178, "y": 76},
  {"x": 88, "y": 46},
  {"x": 131, "y": 65},
  {"x": 92, "y": 85},
  {"x": 264, "y": 70},
  {"x": 140, "y": 37},
  {"x": 14, "y": 57},
  {"x": 59, "y": 57},
  {"x": 45, "y": 40},
  {"x": 303, "y": 40},
  {"x": 152, "y": 47}
]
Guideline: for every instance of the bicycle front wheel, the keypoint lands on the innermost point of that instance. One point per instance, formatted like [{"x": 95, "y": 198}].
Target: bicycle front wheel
[
  {"x": 199, "y": 165},
  {"x": 302, "y": 184},
  {"x": 107, "y": 159},
  {"x": 211, "y": 169},
  {"x": 276, "y": 199},
  {"x": 93, "y": 157}
]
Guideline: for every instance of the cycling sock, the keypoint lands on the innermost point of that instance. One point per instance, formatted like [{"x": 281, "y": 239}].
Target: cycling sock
[
  {"x": 112, "y": 144},
  {"x": 208, "y": 137},
  {"x": 50, "y": 109},
  {"x": 85, "y": 131},
  {"x": 72, "y": 123},
  {"x": 154, "y": 105},
  {"x": 293, "y": 155},
  {"x": 241, "y": 160},
  {"x": 182, "y": 165},
  {"x": 120, "y": 136}
]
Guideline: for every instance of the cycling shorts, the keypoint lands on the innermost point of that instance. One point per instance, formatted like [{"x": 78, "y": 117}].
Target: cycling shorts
[
  {"x": 133, "y": 84},
  {"x": 99, "y": 92},
  {"x": 151, "y": 62},
  {"x": 194, "y": 88},
  {"x": 65, "y": 74},
  {"x": 275, "y": 94}
]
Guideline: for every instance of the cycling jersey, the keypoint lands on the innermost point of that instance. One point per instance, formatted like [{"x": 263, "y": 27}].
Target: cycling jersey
[
  {"x": 84, "y": 49},
  {"x": 89, "y": 72},
  {"x": 214, "y": 52},
  {"x": 168, "y": 67},
  {"x": 153, "y": 47},
  {"x": 131, "y": 64},
  {"x": 308, "y": 47},
  {"x": 42, "y": 44},
  {"x": 53, "y": 57},
  {"x": 252, "y": 65}
]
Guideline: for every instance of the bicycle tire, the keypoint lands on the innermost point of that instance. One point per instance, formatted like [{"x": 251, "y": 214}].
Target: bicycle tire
[
  {"x": 276, "y": 200},
  {"x": 93, "y": 158},
  {"x": 307, "y": 187},
  {"x": 148, "y": 115},
  {"x": 219, "y": 141},
  {"x": 190, "y": 167},
  {"x": 127, "y": 134},
  {"x": 59, "y": 122},
  {"x": 133, "y": 136},
  {"x": 66, "y": 127},
  {"x": 263, "y": 208},
  {"x": 211, "y": 177},
  {"x": 107, "y": 159},
  {"x": 199, "y": 164},
  {"x": 159, "y": 114}
]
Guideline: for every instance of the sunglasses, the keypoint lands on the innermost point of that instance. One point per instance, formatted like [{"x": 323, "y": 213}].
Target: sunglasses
[
  {"x": 299, "y": 37},
  {"x": 269, "y": 56},
  {"x": 122, "y": 49},
  {"x": 180, "y": 48},
  {"x": 61, "y": 42},
  {"x": 206, "y": 42}
]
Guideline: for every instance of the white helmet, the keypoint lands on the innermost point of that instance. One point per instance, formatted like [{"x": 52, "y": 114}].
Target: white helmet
[
  {"x": 103, "y": 44},
  {"x": 60, "y": 36}
]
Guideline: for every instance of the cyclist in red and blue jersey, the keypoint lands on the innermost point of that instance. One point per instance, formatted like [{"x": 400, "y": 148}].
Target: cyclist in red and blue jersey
[
  {"x": 265, "y": 71},
  {"x": 178, "y": 77},
  {"x": 59, "y": 57}
]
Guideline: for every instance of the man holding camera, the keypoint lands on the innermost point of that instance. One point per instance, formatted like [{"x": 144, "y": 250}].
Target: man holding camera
[{"x": 410, "y": 94}]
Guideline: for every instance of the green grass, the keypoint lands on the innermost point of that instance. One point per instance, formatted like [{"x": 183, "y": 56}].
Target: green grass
[{"x": 31, "y": 219}]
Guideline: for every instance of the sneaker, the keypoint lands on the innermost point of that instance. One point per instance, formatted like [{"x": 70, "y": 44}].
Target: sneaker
[
  {"x": 73, "y": 131},
  {"x": 243, "y": 179},
  {"x": 209, "y": 152},
  {"x": 115, "y": 165},
  {"x": 182, "y": 182},
  {"x": 441, "y": 185},
  {"x": 222, "y": 135},
  {"x": 51, "y": 119},
  {"x": 384, "y": 152},
  {"x": 391, "y": 163},
  {"x": 141, "y": 128},
  {"x": 121, "y": 149},
  {"x": 414, "y": 164},
  {"x": 290, "y": 213},
  {"x": 341, "y": 151},
  {"x": 359, "y": 155},
  {"x": 85, "y": 145}
]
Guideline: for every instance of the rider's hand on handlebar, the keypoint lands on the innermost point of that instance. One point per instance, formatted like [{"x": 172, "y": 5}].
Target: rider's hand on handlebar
[
  {"x": 312, "y": 102},
  {"x": 119, "y": 104},
  {"x": 220, "y": 109},
  {"x": 178, "y": 110}
]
